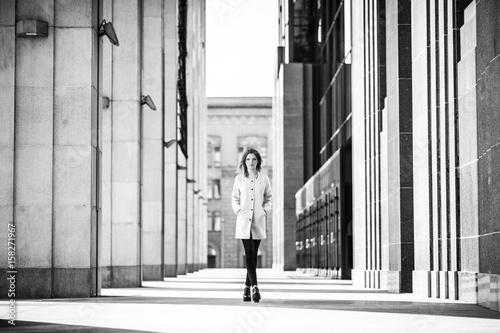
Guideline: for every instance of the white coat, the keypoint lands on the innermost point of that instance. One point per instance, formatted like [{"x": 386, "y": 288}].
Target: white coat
[{"x": 251, "y": 201}]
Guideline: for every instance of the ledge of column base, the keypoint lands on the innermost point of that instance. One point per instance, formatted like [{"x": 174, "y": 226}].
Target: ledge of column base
[
  {"x": 197, "y": 267},
  {"x": 373, "y": 279},
  {"x": 51, "y": 282},
  {"x": 121, "y": 277},
  {"x": 152, "y": 273},
  {"x": 324, "y": 272},
  {"x": 181, "y": 269},
  {"x": 488, "y": 293},
  {"x": 436, "y": 284},
  {"x": 170, "y": 270},
  {"x": 278, "y": 266}
]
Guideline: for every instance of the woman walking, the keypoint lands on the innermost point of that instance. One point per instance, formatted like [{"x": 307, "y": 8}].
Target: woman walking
[{"x": 251, "y": 202}]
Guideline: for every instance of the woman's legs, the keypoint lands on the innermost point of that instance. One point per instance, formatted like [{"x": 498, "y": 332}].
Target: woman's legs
[{"x": 251, "y": 249}]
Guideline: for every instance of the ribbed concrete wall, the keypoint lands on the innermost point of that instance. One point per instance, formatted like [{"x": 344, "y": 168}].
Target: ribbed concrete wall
[
  {"x": 449, "y": 112},
  {"x": 93, "y": 190},
  {"x": 49, "y": 147}
]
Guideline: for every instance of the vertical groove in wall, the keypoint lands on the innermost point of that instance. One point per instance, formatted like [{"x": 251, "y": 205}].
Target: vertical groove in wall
[
  {"x": 447, "y": 135},
  {"x": 456, "y": 48},
  {"x": 438, "y": 136},
  {"x": 381, "y": 65},
  {"x": 375, "y": 135},
  {"x": 14, "y": 150},
  {"x": 429, "y": 136},
  {"x": 162, "y": 269},
  {"x": 54, "y": 55},
  {"x": 111, "y": 186},
  {"x": 367, "y": 226}
]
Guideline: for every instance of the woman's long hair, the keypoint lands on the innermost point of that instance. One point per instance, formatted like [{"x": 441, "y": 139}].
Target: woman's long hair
[{"x": 242, "y": 167}]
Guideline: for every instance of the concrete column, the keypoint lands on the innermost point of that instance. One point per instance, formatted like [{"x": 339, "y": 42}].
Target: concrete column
[
  {"x": 170, "y": 133},
  {"x": 468, "y": 157},
  {"x": 421, "y": 156},
  {"x": 124, "y": 269},
  {"x": 181, "y": 215},
  {"x": 76, "y": 197},
  {"x": 49, "y": 146},
  {"x": 399, "y": 136},
  {"x": 358, "y": 146},
  {"x": 294, "y": 106},
  {"x": 152, "y": 156},
  {"x": 107, "y": 136},
  {"x": 488, "y": 143},
  {"x": 7, "y": 129}
]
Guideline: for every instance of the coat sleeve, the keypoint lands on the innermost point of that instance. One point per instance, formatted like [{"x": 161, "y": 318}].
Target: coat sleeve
[
  {"x": 268, "y": 197},
  {"x": 235, "y": 197}
]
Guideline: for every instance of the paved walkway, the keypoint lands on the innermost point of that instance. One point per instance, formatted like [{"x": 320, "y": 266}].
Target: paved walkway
[{"x": 211, "y": 301}]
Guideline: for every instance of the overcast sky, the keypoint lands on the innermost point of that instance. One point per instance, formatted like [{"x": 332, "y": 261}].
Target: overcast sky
[{"x": 241, "y": 41}]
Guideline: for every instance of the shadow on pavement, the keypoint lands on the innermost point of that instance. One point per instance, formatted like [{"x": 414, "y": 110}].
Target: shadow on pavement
[
  {"x": 31, "y": 326},
  {"x": 419, "y": 308}
]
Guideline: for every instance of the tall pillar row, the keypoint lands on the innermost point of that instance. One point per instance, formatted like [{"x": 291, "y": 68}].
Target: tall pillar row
[
  {"x": 94, "y": 193},
  {"x": 50, "y": 146}
]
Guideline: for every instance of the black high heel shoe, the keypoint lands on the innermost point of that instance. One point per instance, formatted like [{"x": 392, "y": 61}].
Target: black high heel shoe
[
  {"x": 246, "y": 294},
  {"x": 256, "y": 294}
]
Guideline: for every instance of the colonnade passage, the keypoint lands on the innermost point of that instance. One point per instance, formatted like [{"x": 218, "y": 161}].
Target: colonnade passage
[{"x": 210, "y": 300}]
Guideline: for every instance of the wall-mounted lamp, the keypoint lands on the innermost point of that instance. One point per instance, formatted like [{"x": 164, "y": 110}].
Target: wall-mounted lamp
[
  {"x": 105, "y": 102},
  {"x": 190, "y": 181},
  {"x": 169, "y": 143},
  {"x": 149, "y": 101},
  {"x": 196, "y": 192},
  {"x": 106, "y": 28},
  {"x": 181, "y": 167},
  {"x": 25, "y": 28}
]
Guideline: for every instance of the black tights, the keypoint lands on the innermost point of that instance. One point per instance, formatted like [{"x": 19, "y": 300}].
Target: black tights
[{"x": 251, "y": 249}]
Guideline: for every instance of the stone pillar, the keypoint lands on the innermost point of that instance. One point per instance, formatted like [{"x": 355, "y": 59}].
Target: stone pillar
[
  {"x": 468, "y": 157},
  {"x": 421, "y": 156},
  {"x": 399, "y": 136},
  {"x": 125, "y": 266},
  {"x": 7, "y": 137},
  {"x": 358, "y": 146},
  {"x": 295, "y": 78},
  {"x": 49, "y": 146},
  {"x": 170, "y": 133},
  {"x": 107, "y": 136},
  {"x": 152, "y": 156},
  {"x": 181, "y": 215},
  {"x": 488, "y": 143}
]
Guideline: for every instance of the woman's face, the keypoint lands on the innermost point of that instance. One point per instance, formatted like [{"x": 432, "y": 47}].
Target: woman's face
[{"x": 251, "y": 162}]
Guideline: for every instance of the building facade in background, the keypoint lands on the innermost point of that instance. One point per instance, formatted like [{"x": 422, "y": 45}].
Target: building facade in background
[
  {"x": 313, "y": 161},
  {"x": 102, "y": 190},
  {"x": 233, "y": 125},
  {"x": 423, "y": 112}
]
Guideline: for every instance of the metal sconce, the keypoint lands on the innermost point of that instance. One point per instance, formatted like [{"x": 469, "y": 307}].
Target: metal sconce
[
  {"x": 149, "y": 101},
  {"x": 26, "y": 28},
  {"x": 169, "y": 143},
  {"x": 106, "y": 28},
  {"x": 105, "y": 102}
]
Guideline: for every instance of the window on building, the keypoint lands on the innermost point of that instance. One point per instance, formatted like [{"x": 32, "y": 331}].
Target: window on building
[
  {"x": 213, "y": 152},
  {"x": 257, "y": 142},
  {"x": 214, "y": 221},
  {"x": 216, "y": 188},
  {"x": 213, "y": 189}
]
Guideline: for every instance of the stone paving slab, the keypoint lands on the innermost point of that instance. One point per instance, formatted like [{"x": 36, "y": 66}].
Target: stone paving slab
[{"x": 211, "y": 301}]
